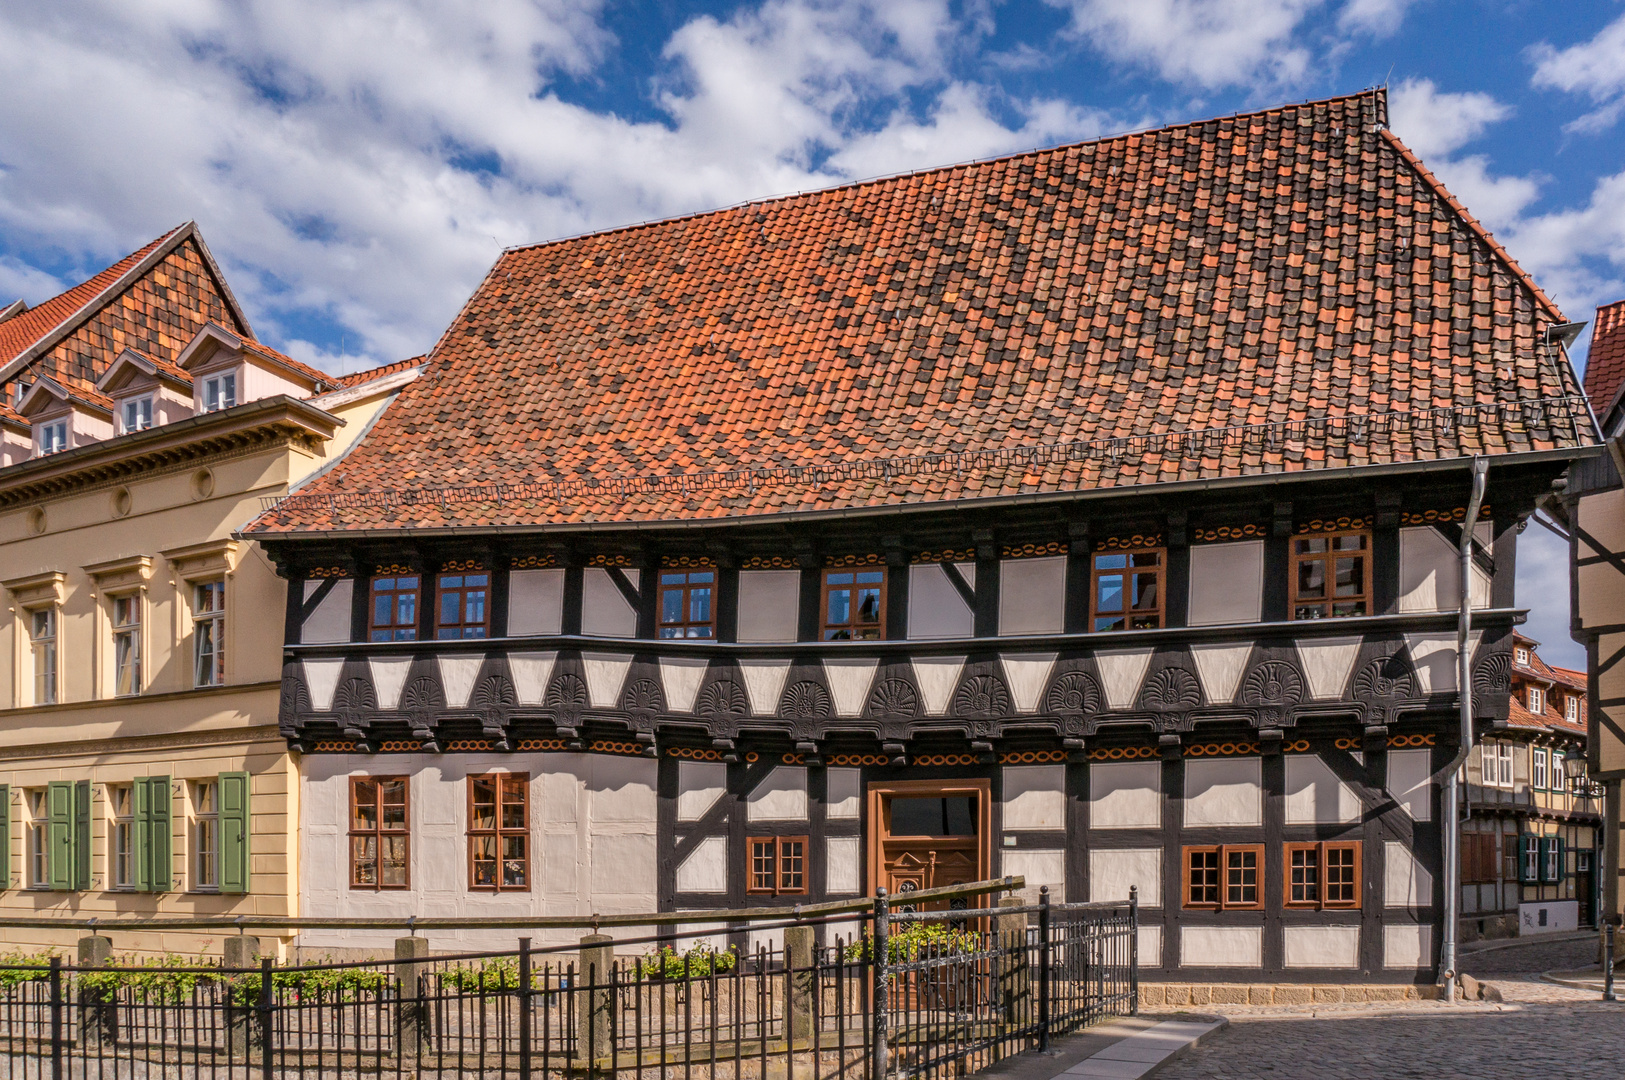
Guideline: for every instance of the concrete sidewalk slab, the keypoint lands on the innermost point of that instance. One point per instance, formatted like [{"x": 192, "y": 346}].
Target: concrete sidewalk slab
[{"x": 1128, "y": 1048}]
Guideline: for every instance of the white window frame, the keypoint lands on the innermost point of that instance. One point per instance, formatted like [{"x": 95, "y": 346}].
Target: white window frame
[
  {"x": 1531, "y": 861},
  {"x": 1571, "y": 708},
  {"x": 1560, "y": 778},
  {"x": 219, "y": 391},
  {"x": 205, "y": 836},
  {"x": 52, "y": 438},
  {"x": 1552, "y": 858},
  {"x": 209, "y": 626},
  {"x": 127, "y": 643},
  {"x": 1536, "y": 700},
  {"x": 44, "y": 648},
  {"x": 1537, "y": 774},
  {"x": 1523, "y": 656},
  {"x": 142, "y": 406},
  {"x": 121, "y": 836},
  {"x": 38, "y": 837}
]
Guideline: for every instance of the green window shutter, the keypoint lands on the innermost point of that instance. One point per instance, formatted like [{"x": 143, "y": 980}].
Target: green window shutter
[
  {"x": 233, "y": 795},
  {"x": 1528, "y": 858},
  {"x": 1558, "y": 855},
  {"x": 5, "y": 837},
  {"x": 59, "y": 835},
  {"x": 81, "y": 834},
  {"x": 152, "y": 858}
]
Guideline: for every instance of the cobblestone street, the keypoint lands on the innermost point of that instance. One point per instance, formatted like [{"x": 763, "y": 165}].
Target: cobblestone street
[{"x": 1540, "y": 1030}]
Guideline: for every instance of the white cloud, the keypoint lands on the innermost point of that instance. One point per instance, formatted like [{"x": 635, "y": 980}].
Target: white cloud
[
  {"x": 1543, "y": 586},
  {"x": 1436, "y": 124},
  {"x": 18, "y": 280},
  {"x": 365, "y": 162},
  {"x": 1209, "y": 43},
  {"x": 1379, "y": 18},
  {"x": 1595, "y": 68}
]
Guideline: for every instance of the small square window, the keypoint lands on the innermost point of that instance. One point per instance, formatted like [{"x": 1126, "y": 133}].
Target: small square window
[
  {"x": 855, "y": 604},
  {"x": 1522, "y": 656},
  {"x": 136, "y": 415},
  {"x": 687, "y": 603},
  {"x": 778, "y": 865},
  {"x": 1126, "y": 589},
  {"x": 1227, "y": 877},
  {"x": 1322, "y": 875},
  {"x": 52, "y": 438},
  {"x": 219, "y": 392}
]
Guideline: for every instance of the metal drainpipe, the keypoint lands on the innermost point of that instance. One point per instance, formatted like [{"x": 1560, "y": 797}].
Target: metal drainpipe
[{"x": 1464, "y": 691}]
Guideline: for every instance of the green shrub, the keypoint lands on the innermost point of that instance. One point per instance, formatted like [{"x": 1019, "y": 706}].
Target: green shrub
[
  {"x": 14, "y": 976},
  {"x": 908, "y": 941},
  {"x": 697, "y": 962},
  {"x": 324, "y": 984},
  {"x": 498, "y": 973},
  {"x": 159, "y": 979}
]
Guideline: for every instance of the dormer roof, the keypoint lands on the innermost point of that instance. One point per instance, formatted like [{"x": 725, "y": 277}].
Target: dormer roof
[
  {"x": 212, "y": 338},
  {"x": 45, "y": 391},
  {"x": 13, "y": 419},
  {"x": 132, "y": 364}
]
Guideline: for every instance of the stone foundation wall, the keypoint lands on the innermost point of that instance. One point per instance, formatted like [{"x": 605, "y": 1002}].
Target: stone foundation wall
[{"x": 1156, "y": 995}]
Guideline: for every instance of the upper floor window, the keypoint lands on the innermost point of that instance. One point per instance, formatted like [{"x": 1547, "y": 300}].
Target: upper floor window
[
  {"x": 209, "y": 633},
  {"x": 1537, "y": 700},
  {"x": 53, "y": 438},
  {"x": 205, "y": 835},
  {"x": 395, "y": 608},
  {"x": 499, "y": 831},
  {"x": 39, "y": 839},
  {"x": 686, "y": 608},
  {"x": 219, "y": 391},
  {"x": 855, "y": 604},
  {"x": 1538, "y": 774},
  {"x": 1330, "y": 575},
  {"x": 1571, "y": 708},
  {"x": 1126, "y": 590},
  {"x": 42, "y": 646},
  {"x": 1522, "y": 655},
  {"x": 461, "y": 613},
  {"x": 127, "y": 644},
  {"x": 1495, "y": 760},
  {"x": 136, "y": 414},
  {"x": 1559, "y": 773},
  {"x": 380, "y": 833}
]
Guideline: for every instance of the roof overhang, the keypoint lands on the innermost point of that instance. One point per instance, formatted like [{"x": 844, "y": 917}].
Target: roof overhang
[
  {"x": 119, "y": 372},
  {"x": 46, "y": 390}
]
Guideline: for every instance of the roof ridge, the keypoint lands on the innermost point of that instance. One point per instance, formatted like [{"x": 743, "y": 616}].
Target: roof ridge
[
  {"x": 1377, "y": 92},
  {"x": 1474, "y": 224}
]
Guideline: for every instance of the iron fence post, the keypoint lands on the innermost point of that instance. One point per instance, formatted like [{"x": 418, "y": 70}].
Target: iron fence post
[
  {"x": 878, "y": 965},
  {"x": 524, "y": 1008},
  {"x": 56, "y": 1018},
  {"x": 1608, "y": 965},
  {"x": 1134, "y": 950},
  {"x": 262, "y": 1010},
  {"x": 1043, "y": 968}
]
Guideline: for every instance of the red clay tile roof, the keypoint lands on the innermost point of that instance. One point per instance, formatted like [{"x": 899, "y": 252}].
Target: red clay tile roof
[
  {"x": 1605, "y": 362},
  {"x": 379, "y": 372},
  {"x": 322, "y": 379},
  {"x": 1288, "y": 265},
  {"x": 157, "y": 311},
  {"x": 12, "y": 416}
]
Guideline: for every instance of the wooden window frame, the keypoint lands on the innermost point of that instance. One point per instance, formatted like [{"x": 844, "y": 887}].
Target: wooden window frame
[
  {"x": 1571, "y": 708},
  {"x": 394, "y": 592},
  {"x": 462, "y": 590},
  {"x": 209, "y": 625},
  {"x": 498, "y": 832},
  {"x": 1320, "y": 848},
  {"x": 1535, "y": 700},
  {"x": 686, "y": 587},
  {"x": 1223, "y": 851},
  {"x": 1330, "y": 557},
  {"x": 1096, "y": 572},
  {"x": 778, "y": 887},
  {"x": 825, "y": 588},
  {"x": 378, "y": 833},
  {"x": 205, "y": 835}
]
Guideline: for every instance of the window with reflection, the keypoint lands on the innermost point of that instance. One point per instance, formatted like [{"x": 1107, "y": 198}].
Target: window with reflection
[
  {"x": 462, "y": 606},
  {"x": 855, "y": 604},
  {"x": 687, "y": 607},
  {"x": 1126, "y": 590},
  {"x": 1330, "y": 575},
  {"x": 499, "y": 832},
  {"x": 395, "y": 608},
  {"x": 1225, "y": 876},
  {"x": 380, "y": 833}
]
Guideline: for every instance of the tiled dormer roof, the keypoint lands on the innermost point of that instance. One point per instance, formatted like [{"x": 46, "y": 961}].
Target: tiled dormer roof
[
  {"x": 75, "y": 395},
  {"x": 381, "y": 371},
  {"x": 1605, "y": 361},
  {"x": 1131, "y": 311},
  {"x": 322, "y": 379},
  {"x": 11, "y": 416}
]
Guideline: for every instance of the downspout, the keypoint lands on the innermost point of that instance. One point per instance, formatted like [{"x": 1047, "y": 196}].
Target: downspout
[{"x": 1464, "y": 691}]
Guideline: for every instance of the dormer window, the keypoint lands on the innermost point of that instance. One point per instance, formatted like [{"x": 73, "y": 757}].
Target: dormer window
[
  {"x": 219, "y": 392},
  {"x": 136, "y": 415},
  {"x": 53, "y": 437},
  {"x": 1523, "y": 657}
]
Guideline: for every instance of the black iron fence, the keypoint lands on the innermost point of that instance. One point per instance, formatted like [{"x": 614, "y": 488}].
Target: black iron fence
[{"x": 889, "y": 993}]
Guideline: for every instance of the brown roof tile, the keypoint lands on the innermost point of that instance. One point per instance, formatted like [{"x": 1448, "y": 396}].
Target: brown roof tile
[
  {"x": 1605, "y": 362},
  {"x": 1291, "y": 265}
]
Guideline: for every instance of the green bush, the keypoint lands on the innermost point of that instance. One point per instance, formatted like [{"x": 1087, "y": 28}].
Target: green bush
[
  {"x": 697, "y": 962},
  {"x": 907, "y": 942},
  {"x": 498, "y": 973},
  {"x": 323, "y": 984},
  {"x": 11, "y": 976},
  {"x": 158, "y": 979}
]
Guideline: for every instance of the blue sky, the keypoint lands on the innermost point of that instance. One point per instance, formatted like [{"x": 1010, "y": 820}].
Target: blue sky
[{"x": 356, "y": 166}]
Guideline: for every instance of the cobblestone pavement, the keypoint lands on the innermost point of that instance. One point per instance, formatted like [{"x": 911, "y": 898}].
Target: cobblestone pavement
[{"x": 1540, "y": 1030}]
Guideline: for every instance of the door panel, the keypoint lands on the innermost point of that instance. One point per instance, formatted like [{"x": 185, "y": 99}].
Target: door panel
[{"x": 927, "y": 834}]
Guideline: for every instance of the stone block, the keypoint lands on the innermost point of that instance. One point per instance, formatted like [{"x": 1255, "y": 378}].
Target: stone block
[
  {"x": 1260, "y": 995},
  {"x": 1153, "y": 994},
  {"x": 1294, "y": 995},
  {"x": 1226, "y": 994},
  {"x": 1320, "y": 994},
  {"x": 1470, "y": 989},
  {"x": 1177, "y": 994},
  {"x": 1202, "y": 995},
  {"x": 1389, "y": 993}
]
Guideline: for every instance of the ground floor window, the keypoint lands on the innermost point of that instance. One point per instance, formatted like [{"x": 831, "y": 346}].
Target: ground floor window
[
  {"x": 499, "y": 831},
  {"x": 778, "y": 865},
  {"x": 1322, "y": 875},
  {"x": 380, "y": 834},
  {"x": 121, "y": 801},
  {"x": 1224, "y": 876}
]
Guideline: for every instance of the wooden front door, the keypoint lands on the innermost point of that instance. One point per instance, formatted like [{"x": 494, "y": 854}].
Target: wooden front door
[{"x": 927, "y": 833}]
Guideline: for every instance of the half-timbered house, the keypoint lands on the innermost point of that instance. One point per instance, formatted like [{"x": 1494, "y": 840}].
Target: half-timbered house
[{"x": 1090, "y": 514}]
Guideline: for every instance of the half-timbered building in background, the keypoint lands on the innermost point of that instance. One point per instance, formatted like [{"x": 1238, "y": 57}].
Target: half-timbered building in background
[{"x": 1090, "y": 514}]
